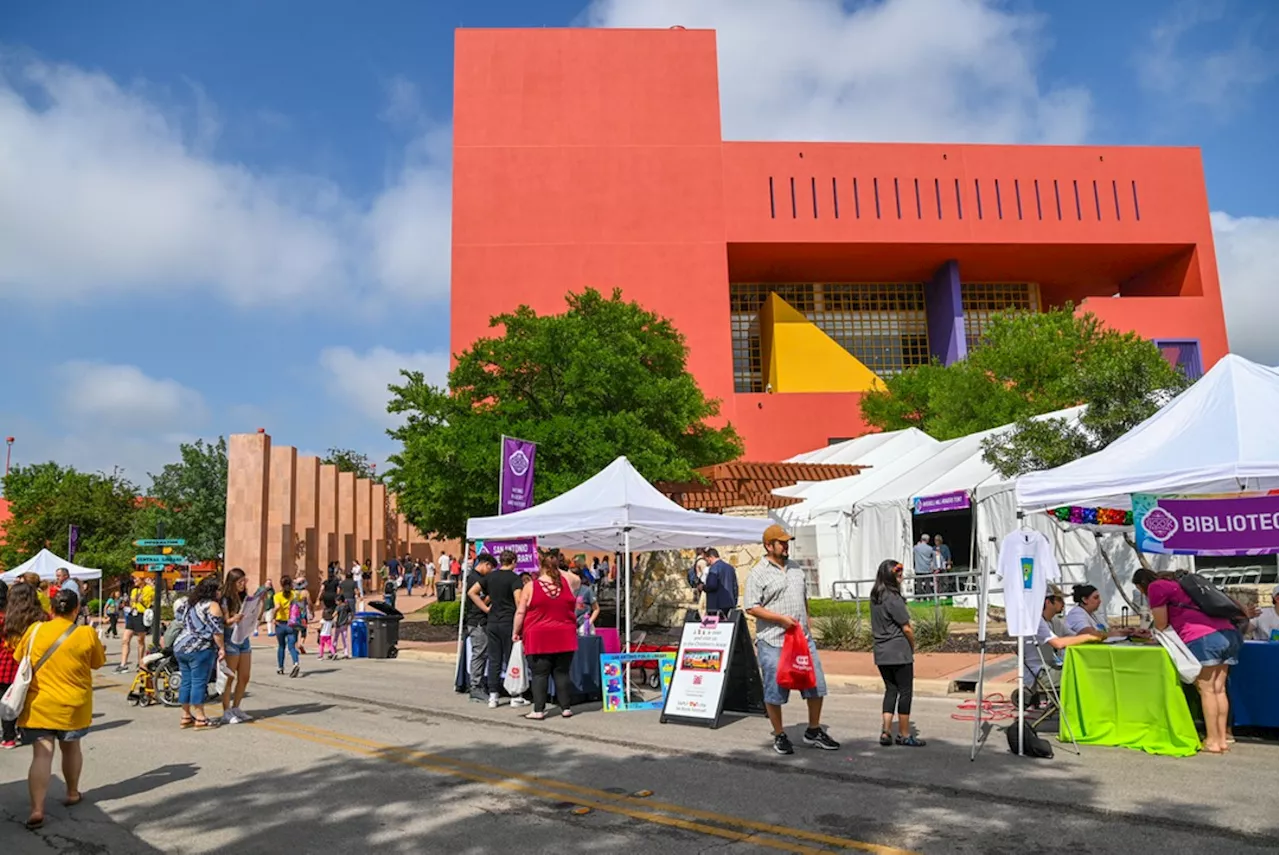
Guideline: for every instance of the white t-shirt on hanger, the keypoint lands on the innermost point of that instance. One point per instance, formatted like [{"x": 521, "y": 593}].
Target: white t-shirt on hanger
[{"x": 1026, "y": 565}]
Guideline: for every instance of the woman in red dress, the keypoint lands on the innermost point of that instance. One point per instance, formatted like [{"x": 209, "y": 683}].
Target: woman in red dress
[{"x": 546, "y": 619}]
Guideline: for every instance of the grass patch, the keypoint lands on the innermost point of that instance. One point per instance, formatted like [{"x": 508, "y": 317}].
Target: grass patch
[{"x": 919, "y": 610}]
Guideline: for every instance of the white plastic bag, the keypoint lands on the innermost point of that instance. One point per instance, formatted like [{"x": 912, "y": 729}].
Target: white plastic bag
[
  {"x": 15, "y": 697},
  {"x": 516, "y": 681},
  {"x": 1187, "y": 665}
]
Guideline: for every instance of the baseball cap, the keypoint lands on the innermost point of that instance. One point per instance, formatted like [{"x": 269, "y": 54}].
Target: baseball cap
[{"x": 775, "y": 532}]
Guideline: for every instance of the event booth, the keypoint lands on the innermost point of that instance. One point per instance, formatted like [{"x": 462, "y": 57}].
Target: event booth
[{"x": 45, "y": 564}]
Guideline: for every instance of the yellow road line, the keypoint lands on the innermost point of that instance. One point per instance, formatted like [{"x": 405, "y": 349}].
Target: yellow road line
[{"x": 436, "y": 760}]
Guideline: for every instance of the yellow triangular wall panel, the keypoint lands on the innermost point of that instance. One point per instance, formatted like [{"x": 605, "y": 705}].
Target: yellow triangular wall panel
[{"x": 800, "y": 357}]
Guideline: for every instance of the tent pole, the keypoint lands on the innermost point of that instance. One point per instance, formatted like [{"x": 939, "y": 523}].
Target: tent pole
[
  {"x": 1022, "y": 693},
  {"x": 626, "y": 556},
  {"x": 982, "y": 657},
  {"x": 461, "y": 610}
]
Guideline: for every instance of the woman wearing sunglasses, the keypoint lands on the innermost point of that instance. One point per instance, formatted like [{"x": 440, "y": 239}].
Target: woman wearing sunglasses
[{"x": 894, "y": 652}]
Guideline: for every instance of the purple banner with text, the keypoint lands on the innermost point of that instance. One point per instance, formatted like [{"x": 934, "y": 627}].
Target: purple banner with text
[
  {"x": 515, "y": 479},
  {"x": 1232, "y": 524},
  {"x": 525, "y": 548},
  {"x": 957, "y": 501}
]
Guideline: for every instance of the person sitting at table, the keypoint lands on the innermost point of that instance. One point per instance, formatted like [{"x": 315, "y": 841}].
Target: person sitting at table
[
  {"x": 1214, "y": 642},
  {"x": 1086, "y": 614},
  {"x": 1054, "y": 603},
  {"x": 1266, "y": 625}
]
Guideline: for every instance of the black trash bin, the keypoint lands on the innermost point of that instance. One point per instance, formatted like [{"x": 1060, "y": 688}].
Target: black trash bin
[{"x": 384, "y": 630}]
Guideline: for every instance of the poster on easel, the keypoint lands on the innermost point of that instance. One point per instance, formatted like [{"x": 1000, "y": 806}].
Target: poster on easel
[
  {"x": 716, "y": 672},
  {"x": 613, "y": 679}
]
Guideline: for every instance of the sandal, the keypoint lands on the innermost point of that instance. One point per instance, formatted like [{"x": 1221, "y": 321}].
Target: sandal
[
  {"x": 535, "y": 716},
  {"x": 885, "y": 738},
  {"x": 910, "y": 741},
  {"x": 186, "y": 722},
  {"x": 72, "y": 801},
  {"x": 205, "y": 724},
  {"x": 35, "y": 822}
]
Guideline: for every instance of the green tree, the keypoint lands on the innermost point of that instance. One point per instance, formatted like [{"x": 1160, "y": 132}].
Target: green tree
[
  {"x": 190, "y": 498},
  {"x": 46, "y": 499},
  {"x": 350, "y": 461},
  {"x": 1029, "y": 364},
  {"x": 605, "y": 378}
]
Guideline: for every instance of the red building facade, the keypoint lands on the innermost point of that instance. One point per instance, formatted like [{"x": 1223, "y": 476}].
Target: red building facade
[{"x": 594, "y": 158}]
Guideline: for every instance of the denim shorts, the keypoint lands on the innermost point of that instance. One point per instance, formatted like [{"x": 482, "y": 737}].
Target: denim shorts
[
  {"x": 31, "y": 734},
  {"x": 233, "y": 649},
  {"x": 1217, "y": 648},
  {"x": 769, "y": 656}
]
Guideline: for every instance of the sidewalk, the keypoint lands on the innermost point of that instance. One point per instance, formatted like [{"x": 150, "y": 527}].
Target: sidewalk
[{"x": 936, "y": 673}]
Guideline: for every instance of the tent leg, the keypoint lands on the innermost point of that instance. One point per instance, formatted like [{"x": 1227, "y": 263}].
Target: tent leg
[
  {"x": 461, "y": 607},
  {"x": 1022, "y": 705},
  {"x": 982, "y": 658}
]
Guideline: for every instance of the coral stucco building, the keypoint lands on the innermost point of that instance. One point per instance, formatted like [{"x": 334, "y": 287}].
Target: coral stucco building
[{"x": 800, "y": 272}]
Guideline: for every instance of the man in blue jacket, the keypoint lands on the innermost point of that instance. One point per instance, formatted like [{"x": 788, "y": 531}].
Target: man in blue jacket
[{"x": 721, "y": 585}]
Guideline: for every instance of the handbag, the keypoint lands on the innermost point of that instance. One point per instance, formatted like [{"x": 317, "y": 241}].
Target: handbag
[
  {"x": 15, "y": 697},
  {"x": 1188, "y": 666},
  {"x": 516, "y": 681},
  {"x": 795, "y": 666}
]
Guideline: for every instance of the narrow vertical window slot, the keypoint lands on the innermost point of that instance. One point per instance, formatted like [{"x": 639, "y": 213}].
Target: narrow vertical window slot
[
  {"x": 857, "y": 203},
  {"x": 1039, "y": 209},
  {"x": 1075, "y": 191},
  {"x": 919, "y": 210},
  {"x": 1137, "y": 212},
  {"x": 959, "y": 204},
  {"x": 835, "y": 198},
  {"x": 813, "y": 192},
  {"x": 1017, "y": 197},
  {"x": 977, "y": 195},
  {"x": 793, "y": 198},
  {"x": 1057, "y": 198},
  {"x": 1115, "y": 195},
  {"x": 875, "y": 193},
  {"x": 773, "y": 206},
  {"x": 937, "y": 195},
  {"x": 999, "y": 204}
]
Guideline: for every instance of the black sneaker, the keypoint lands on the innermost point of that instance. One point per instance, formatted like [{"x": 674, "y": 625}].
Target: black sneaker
[
  {"x": 782, "y": 744},
  {"x": 818, "y": 739}
]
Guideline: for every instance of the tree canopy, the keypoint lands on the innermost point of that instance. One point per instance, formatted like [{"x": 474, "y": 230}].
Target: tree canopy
[
  {"x": 605, "y": 378},
  {"x": 1029, "y": 364},
  {"x": 191, "y": 498},
  {"x": 348, "y": 460}
]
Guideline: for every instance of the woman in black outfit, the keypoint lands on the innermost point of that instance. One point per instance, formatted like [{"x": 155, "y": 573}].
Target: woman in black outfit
[{"x": 894, "y": 652}]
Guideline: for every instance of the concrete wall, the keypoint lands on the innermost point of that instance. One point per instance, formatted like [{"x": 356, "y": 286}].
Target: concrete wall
[
  {"x": 248, "y": 476},
  {"x": 281, "y": 495},
  {"x": 346, "y": 518},
  {"x": 306, "y": 516}
]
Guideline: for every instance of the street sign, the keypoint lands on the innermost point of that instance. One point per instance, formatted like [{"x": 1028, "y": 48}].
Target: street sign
[
  {"x": 171, "y": 541},
  {"x": 159, "y": 559}
]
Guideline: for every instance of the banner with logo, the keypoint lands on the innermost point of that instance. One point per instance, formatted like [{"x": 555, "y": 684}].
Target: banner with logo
[
  {"x": 1229, "y": 524},
  {"x": 515, "y": 478},
  {"x": 73, "y": 541},
  {"x": 525, "y": 548},
  {"x": 613, "y": 678},
  {"x": 956, "y": 501}
]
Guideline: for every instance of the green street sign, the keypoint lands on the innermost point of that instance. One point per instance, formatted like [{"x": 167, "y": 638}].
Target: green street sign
[
  {"x": 172, "y": 541},
  {"x": 160, "y": 559}
]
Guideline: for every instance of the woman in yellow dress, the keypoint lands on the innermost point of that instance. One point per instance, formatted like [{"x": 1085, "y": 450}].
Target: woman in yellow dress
[{"x": 59, "y": 702}]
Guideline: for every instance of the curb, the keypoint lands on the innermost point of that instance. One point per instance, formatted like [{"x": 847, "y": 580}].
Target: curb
[{"x": 836, "y": 683}]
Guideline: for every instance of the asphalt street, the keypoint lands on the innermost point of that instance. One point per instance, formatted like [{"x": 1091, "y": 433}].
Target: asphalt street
[{"x": 365, "y": 756}]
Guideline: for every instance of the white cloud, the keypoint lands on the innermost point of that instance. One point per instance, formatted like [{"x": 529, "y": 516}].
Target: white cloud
[
  {"x": 901, "y": 70},
  {"x": 1212, "y": 80},
  {"x": 122, "y": 396},
  {"x": 1248, "y": 250},
  {"x": 361, "y": 379},
  {"x": 103, "y": 192}
]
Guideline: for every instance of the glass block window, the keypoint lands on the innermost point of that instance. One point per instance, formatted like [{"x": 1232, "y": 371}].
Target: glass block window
[
  {"x": 1184, "y": 356},
  {"x": 981, "y": 300},
  {"x": 882, "y": 324}
]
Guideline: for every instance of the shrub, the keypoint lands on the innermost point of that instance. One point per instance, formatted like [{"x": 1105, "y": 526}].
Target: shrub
[
  {"x": 93, "y": 605},
  {"x": 842, "y": 632},
  {"x": 932, "y": 629},
  {"x": 443, "y": 614}
]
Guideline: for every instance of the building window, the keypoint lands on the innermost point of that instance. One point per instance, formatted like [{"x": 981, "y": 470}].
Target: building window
[
  {"x": 982, "y": 300},
  {"x": 1184, "y": 356},
  {"x": 882, "y": 324}
]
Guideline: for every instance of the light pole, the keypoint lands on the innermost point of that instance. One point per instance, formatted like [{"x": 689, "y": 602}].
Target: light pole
[{"x": 8, "y": 453}]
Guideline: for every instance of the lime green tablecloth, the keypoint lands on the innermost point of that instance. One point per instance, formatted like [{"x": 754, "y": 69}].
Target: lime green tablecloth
[{"x": 1120, "y": 694}]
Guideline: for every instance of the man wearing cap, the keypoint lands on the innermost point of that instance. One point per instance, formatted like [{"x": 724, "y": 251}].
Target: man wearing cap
[
  {"x": 1265, "y": 626},
  {"x": 777, "y": 597}
]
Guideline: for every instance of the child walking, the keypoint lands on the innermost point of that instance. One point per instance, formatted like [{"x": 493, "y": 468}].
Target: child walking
[
  {"x": 326, "y": 633},
  {"x": 342, "y": 627}
]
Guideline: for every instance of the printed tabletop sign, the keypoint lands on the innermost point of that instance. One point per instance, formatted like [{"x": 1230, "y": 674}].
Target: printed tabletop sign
[{"x": 1230, "y": 524}]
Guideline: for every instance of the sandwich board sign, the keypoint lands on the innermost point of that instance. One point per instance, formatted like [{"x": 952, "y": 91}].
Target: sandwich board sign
[{"x": 716, "y": 672}]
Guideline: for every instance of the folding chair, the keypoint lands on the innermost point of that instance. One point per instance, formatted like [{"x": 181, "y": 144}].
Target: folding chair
[{"x": 1046, "y": 681}]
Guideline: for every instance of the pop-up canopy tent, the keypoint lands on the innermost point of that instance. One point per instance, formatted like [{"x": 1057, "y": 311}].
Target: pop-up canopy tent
[
  {"x": 1222, "y": 435},
  {"x": 617, "y": 510},
  {"x": 45, "y": 564}
]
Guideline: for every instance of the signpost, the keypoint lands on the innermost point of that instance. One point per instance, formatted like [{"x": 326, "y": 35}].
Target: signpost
[{"x": 155, "y": 563}]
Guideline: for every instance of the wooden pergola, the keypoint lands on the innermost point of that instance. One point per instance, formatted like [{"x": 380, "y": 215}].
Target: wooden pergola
[{"x": 745, "y": 484}]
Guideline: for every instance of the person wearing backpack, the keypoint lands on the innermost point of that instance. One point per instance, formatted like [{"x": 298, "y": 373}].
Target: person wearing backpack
[
  {"x": 1202, "y": 621},
  {"x": 389, "y": 589},
  {"x": 289, "y": 611}
]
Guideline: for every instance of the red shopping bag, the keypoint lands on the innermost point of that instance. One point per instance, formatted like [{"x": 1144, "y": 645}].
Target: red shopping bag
[{"x": 795, "y": 666}]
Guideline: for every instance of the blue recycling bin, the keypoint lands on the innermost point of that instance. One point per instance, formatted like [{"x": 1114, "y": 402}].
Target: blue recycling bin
[{"x": 359, "y": 639}]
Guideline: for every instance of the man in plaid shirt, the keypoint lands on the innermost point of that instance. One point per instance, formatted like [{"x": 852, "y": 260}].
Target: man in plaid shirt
[{"x": 776, "y": 596}]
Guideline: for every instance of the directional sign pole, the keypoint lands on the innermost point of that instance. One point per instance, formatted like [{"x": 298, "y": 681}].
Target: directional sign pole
[{"x": 157, "y": 602}]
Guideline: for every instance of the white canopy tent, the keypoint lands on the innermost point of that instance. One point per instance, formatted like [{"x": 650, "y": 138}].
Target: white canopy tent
[
  {"x": 1221, "y": 435},
  {"x": 617, "y": 510},
  {"x": 45, "y": 564}
]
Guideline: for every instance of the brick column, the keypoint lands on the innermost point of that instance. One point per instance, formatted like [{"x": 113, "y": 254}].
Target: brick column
[
  {"x": 347, "y": 517},
  {"x": 281, "y": 495},
  {"x": 306, "y": 516},
  {"x": 402, "y": 535},
  {"x": 248, "y": 475},
  {"x": 330, "y": 548},
  {"x": 378, "y": 523},
  {"x": 364, "y": 545}
]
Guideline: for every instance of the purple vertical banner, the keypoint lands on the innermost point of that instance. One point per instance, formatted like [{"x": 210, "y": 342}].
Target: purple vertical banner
[
  {"x": 73, "y": 541},
  {"x": 515, "y": 479}
]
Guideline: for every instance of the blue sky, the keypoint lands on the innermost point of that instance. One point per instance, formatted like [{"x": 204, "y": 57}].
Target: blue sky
[{"x": 218, "y": 217}]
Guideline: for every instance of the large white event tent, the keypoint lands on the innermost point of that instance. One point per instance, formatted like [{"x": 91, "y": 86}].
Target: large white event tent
[
  {"x": 617, "y": 510},
  {"x": 867, "y": 518},
  {"x": 45, "y": 564},
  {"x": 1221, "y": 435}
]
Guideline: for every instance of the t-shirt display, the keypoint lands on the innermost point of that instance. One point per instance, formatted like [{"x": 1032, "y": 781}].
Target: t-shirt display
[{"x": 1026, "y": 566}]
